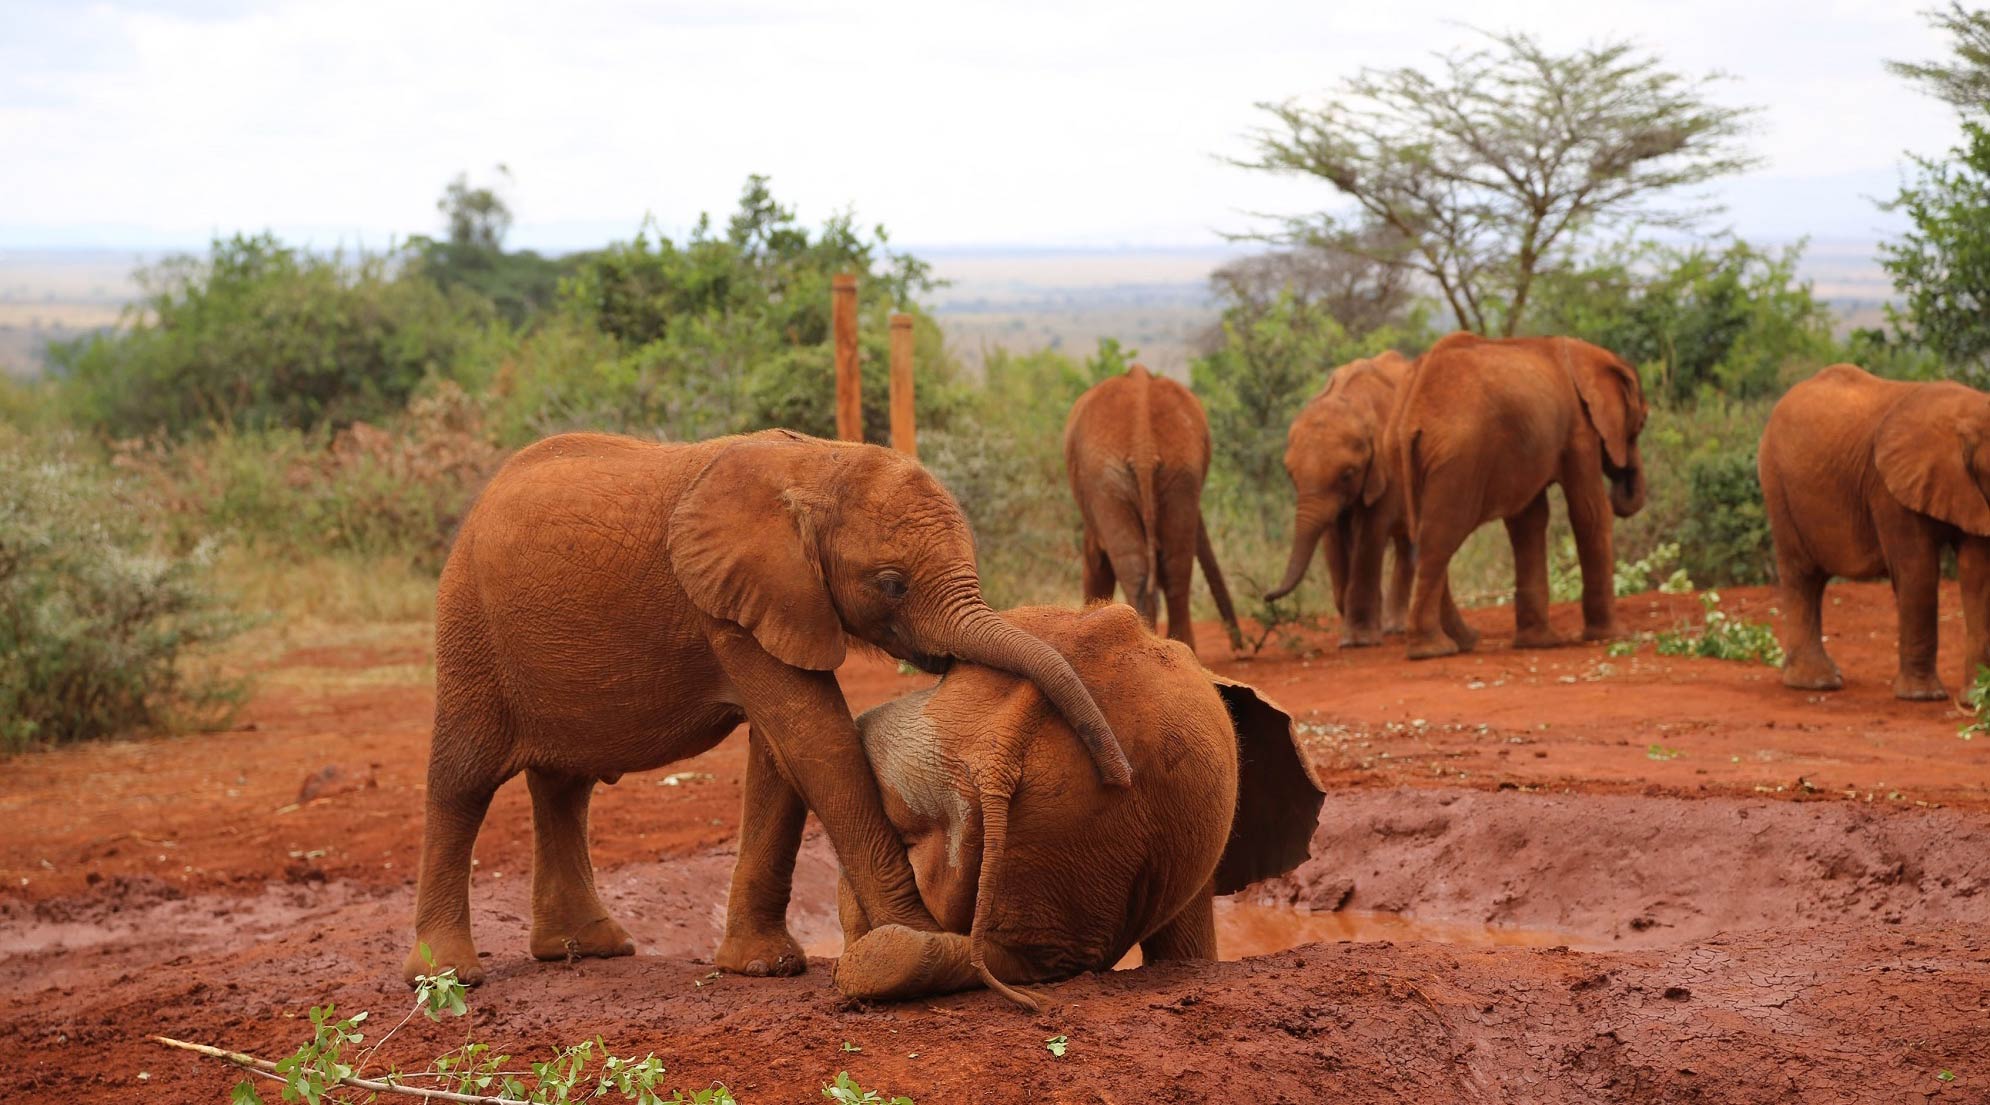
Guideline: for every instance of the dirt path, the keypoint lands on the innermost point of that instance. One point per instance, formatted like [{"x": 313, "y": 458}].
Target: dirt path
[{"x": 1768, "y": 895}]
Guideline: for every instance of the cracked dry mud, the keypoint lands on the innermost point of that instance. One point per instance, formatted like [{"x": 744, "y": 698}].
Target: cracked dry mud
[{"x": 1541, "y": 876}]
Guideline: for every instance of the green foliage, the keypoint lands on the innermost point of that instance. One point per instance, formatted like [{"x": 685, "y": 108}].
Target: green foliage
[
  {"x": 325, "y": 1068},
  {"x": 1056, "y": 1045},
  {"x": 1721, "y": 636},
  {"x": 259, "y": 334},
  {"x": 1483, "y": 174},
  {"x": 1977, "y": 701},
  {"x": 1726, "y": 531},
  {"x": 1963, "y": 81},
  {"x": 100, "y": 629},
  {"x": 1941, "y": 268},
  {"x": 846, "y": 1091},
  {"x": 471, "y": 254},
  {"x": 1632, "y": 577},
  {"x": 1724, "y": 318}
]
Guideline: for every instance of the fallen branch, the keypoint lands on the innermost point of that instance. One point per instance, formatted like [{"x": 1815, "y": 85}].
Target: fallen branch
[{"x": 266, "y": 1067}]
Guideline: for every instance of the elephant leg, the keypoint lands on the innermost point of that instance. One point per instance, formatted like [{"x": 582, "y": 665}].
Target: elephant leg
[
  {"x": 1175, "y": 564},
  {"x": 850, "y": 913},
  {"x": 1454, "y": 623},
  {"x": 757, "y": 941},
  {"x": 1099, "y": 580},
  {"x": 1443, "y": 530},
  {"x": 568, "y": 918},
  {"x": 1594, "y": 525},
  {"x": 1334, "y": 548},
  {"x": 1915, "y": 565},
  {"x": 1806, "y": 666},
  {"x": 1190, "y": 934},
  {"x": 1528, "y": 530},
  {"x": 1402, "y": 577},
  {"x": 1973, "y": 563},
  {"x": 893, "y": 963},
  {"x": 1361, "y": 624},
  {"x": 459, "y": 794}
]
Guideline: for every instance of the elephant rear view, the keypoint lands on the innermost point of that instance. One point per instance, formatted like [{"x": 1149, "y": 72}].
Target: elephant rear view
[
  {"x": 1035, "y": 871},
  {"x": 1136, "y": 448},
  {"x": 1867, "y": 478}
]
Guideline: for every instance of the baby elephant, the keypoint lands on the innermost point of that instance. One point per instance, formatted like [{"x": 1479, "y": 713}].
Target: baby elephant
[{"x": 1034, "y": 869}]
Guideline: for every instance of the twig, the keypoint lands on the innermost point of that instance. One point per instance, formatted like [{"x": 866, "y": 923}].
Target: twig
[{"x": 265, "y": 1067}]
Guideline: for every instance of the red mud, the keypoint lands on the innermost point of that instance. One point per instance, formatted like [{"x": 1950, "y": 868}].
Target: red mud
[{"x": 1770, "y": 896}]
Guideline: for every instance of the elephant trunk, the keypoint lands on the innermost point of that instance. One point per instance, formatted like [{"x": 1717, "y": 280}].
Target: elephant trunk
[
  {"x": 1627, "y": 489},
  {"x": 1307, "y": 529},
  {"x": 984, "y": 638}
]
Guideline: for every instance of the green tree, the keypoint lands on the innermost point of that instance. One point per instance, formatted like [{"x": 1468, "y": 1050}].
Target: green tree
[
  {"x": 1482, "y": 175},
  {"x": 471, "y": 255},
  {"x": 1941, "y": 268},
  {"x": 1964, "y": 80}
]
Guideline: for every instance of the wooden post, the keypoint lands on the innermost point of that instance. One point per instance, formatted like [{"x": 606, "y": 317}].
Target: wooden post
[
  {"x": 901, "y": 386},
  {"x": 849, "y": 382}
]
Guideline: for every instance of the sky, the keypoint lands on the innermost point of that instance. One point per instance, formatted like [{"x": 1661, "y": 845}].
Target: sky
[{"x": 1013, "y": 125}]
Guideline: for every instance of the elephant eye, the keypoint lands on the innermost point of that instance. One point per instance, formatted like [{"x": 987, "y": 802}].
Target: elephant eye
[{"x": 892, "y": 585}]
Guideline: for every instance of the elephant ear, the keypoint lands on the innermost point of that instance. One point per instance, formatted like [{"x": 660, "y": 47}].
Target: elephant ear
[
  {"x": 743, "y": 545},
  {"x": 1923, "y": 451},
  {"x": 1376, "y": 483},
  {"x": 1278, "y": 796},
  {"x": 1611, "y": 394}
]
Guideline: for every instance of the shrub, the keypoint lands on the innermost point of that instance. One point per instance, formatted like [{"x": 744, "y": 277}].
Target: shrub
[
  {"x": 1726, "y": 531},
  {"x": 97, "y": 625},
  {"x": 261, "y": 335}
]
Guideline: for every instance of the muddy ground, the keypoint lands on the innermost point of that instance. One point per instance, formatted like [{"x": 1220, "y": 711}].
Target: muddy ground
[{"x": 1541, "y": 876}]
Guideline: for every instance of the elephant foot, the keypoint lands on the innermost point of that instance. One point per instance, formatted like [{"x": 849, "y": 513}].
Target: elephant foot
[
  {"x": 1360, "y": 638},
  {"x": 1538, "y": 638},
  {"x": 1919, "y": 688},
  {"x": 892, "y": 963},
  {"x": 444, "y": 953},
  {"x": 600, "y": 938},
  {"x": 1393, "y": 627},
  {"x": 1466, "y": 636},
  {"x": 1432, "y": 647},
  {"x": 761, "y": 954},
  {"x": 1608, "y": 632},
  {"x": 1812, "y": 677}
]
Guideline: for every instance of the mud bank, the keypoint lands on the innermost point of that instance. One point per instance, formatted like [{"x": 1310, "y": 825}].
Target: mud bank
[{"x": 1622, "y": 872}]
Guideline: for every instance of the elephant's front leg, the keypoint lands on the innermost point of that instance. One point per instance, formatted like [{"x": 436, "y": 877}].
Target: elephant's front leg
[
  {"x": 1361, "y": 624},
  {"x": 1594, "y": 524},
  {"x": 1528, "y": 530},
  {"x": 1914, "y": 562},
  {"x": 757, "y": 941},
  {"x": 1973, "y": 563},
  {"x": 1402, "y": 577},
  {"x": 812, "y": 741}
]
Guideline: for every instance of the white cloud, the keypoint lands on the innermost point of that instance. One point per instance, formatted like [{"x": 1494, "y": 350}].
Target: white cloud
[{"x": 1048, "y": 123}]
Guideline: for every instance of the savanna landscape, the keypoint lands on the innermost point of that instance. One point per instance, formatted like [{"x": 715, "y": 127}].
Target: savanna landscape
[{"x": 1558, "y": 864}]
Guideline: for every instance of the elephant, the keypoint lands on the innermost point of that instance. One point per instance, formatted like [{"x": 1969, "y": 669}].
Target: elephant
[
  {"x": 612, "y": 605},
  {"x": 1136, "y": 447},
  {"x": 1033, "y": 870},
  {"x": 1484, "y": 427},
  {"x": 1349, "y": 502},
  {"x": 1867, "y": 478}
]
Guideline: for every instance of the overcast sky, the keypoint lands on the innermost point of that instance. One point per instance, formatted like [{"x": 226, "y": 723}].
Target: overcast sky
[{"x": 148, "y": 124}]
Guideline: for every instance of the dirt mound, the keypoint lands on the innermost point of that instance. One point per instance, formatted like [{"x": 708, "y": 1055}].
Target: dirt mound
[{"x": 1639, "y": 872}]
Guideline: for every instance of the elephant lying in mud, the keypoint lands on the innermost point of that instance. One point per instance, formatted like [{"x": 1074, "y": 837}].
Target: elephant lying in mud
[{"x": 1034, "y": 869}]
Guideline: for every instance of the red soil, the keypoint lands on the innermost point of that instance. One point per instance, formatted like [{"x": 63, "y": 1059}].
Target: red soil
[{"x": 1771, "y": 894}]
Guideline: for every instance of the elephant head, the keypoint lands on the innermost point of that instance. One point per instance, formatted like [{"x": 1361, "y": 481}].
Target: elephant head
[
  {"x": 1933, "y": 452},
  {"x": 1335, "y": 458},
  {"x": 804, "y": 543},
  {"x": 1614, "y": 401}
]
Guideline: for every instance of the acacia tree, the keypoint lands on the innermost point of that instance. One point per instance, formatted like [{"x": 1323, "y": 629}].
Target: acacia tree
[{"x": 1489, "y": 168}]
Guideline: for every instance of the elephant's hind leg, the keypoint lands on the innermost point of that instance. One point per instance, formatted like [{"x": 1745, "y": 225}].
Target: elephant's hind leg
[
  {"x": 1190, "y": 934},
  {"x": 756, "y": 940},
  {"x": 1806, "y": 666},
  {"x": 1429, "y": 636},
  {"x": 1528, "y": 530},
  {"x": 568, "y": 918},
  {"x": 459, "y": 794}
]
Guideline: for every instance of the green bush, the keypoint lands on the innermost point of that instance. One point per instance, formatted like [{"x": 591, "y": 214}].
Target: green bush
[
  {"x": 260, "y": 335},
  {"x": 97, "y": 624},
  {"x": 1726, "y": 532}
]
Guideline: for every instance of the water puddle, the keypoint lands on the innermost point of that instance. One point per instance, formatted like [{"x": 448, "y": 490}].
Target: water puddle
[{"x": 1254, "y": 928}]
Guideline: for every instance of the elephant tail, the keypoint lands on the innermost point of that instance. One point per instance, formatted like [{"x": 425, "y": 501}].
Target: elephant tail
[
  {"x": 1205, "y": 553},
  {"x": 994, "y": 841},
  {"x": 1148, "y": 501}
]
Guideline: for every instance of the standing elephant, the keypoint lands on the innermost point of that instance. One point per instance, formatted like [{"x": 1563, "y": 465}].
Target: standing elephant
[
  {"x": 1137, "y": 450},
  {"x": 1865, "y": 478},
  {"x": 1484, "y": 428},
  {"x": 612, "y": 605},
  {"x": 1036, "y": 872},
  {"x": 1349, "y": 502}
]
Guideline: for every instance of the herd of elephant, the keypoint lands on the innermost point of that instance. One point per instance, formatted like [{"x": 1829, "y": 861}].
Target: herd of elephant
[{"x": 1076, "y": 786}]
